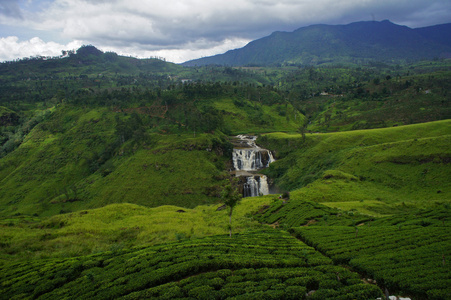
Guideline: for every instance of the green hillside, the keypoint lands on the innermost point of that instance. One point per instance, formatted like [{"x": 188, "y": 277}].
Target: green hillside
[
  {"x": 87, "y": 60},
  {"x": 78, "y": 158},
  {"x": 337, "y": 99},
  {"x": 375, "y": 200},
  {"x": 112, "y": 172},
  {"x": 392, "y": 165}
]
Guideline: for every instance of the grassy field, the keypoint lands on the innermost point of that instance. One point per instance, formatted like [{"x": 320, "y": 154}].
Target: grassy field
[
  {"x": 118, "y": 226},
  {"x": 77, "y": 159}
]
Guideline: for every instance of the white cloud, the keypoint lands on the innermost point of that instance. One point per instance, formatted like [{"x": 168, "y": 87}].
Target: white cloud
[
  {"x": 11, "y": 48},
  {"x": 193, "y": 50},
  {"x": 193, "y": 28}
]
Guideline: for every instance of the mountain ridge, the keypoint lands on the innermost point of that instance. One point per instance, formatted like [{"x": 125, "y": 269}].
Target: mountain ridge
[{"x": 351, "y": 43}]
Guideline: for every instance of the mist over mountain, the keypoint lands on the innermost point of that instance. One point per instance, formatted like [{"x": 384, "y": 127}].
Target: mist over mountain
[{"x": 353, "y": 43}]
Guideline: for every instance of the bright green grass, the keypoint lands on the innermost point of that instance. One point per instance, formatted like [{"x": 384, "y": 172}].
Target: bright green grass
[
  {"x": 256, "y": 118},
  {"x": 53, "y": 156},
  {"x": 175, "y": 177},
  {"x": 342, "y": 140},
  {"x": 119, "y": 226},
  {"x": 408, "y": 164},
  {"x": 365, "y": 207}
]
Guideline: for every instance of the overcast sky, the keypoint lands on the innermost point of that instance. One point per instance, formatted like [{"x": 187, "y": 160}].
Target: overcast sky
[{"x": 180, "y": 30}]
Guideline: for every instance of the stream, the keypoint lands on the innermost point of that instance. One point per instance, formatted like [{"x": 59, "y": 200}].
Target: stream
[{"x": 248, "y": 160}]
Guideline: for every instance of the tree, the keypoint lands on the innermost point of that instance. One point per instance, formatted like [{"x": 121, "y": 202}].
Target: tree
[
  {"x": 231, "y": 196},
  {"x": 303, "y": 128}
]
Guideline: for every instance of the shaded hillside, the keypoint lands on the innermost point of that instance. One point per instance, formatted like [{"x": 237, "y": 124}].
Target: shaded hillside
[
  {"x": 438, "y": 33},
  {"x": 354, "y": 43},
  {"x": 90, "y": 163}
]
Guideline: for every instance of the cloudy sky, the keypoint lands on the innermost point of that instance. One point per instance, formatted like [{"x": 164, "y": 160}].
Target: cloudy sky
[{"x": 180, "y": 30}]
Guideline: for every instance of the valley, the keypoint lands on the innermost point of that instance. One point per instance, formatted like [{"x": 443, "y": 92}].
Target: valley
[{"x": 113, "y": 172}]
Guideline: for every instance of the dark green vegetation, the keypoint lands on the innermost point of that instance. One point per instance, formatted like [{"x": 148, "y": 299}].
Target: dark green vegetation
[
  {"x": 149, "y": 142},
  {"x": 405, "y": 253},
  {"x": 337, "y": 99},
  {"x": 111, "y": 172},
  {"x": 355, "y": 43},
  {"x": 269, "y": 264}
]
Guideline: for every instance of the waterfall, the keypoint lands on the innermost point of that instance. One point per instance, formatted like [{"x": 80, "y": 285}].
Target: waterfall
[
  {"x": 256, "y": 186},
  {"x": 248, "y": 158},
  {"x": 251, "y": 159}
]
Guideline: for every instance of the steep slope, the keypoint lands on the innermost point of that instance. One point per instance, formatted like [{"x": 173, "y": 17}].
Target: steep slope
[{"x": 352, "y": 43}]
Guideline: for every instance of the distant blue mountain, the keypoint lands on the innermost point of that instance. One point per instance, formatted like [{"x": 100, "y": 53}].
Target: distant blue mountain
[{"x": 330, "y": 44}]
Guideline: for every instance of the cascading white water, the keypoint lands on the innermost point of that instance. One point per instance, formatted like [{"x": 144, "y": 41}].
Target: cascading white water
[
  {"x": 249, "y": 158},
  {"x": 256, "y": 186}
]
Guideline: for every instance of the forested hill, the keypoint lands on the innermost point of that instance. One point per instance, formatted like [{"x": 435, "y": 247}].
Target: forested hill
[
  {"x": 84, "y": 61},
  {"x": 354, "y": 43}
]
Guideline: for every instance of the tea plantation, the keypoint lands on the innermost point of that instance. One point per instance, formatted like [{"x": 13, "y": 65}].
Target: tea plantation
[
  {"x": 267, "y": 264},
  {"x": 406, "y": 253}
]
